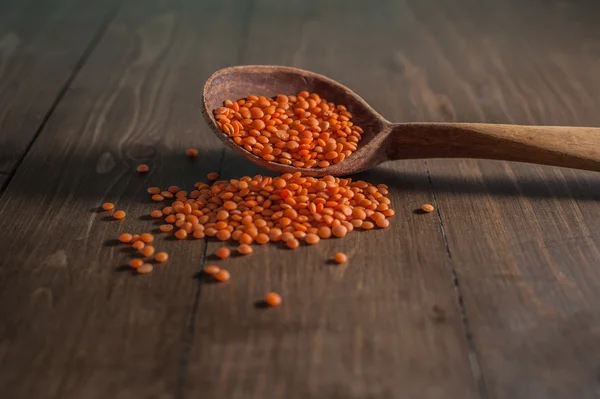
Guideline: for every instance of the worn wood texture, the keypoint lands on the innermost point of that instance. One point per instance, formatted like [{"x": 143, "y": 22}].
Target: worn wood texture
[
  {"x": 3, "y": 180},
  {"x": 75, "y": 323},
  {"x": 524, "y": 240},
  {"x": 42, "y": 46},
  {"x": 492, "y": 297},
  {"x": 387, "y": 324}
]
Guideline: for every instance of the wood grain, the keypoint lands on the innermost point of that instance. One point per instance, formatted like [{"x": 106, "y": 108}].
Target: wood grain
[
  {"x": 74, "y": 322},
  {"x": 3, "y": 181},
  {"x": 523, "y": 239},
  {"x": 387, "y": 325},
  {"x": 42, "y": 46}
]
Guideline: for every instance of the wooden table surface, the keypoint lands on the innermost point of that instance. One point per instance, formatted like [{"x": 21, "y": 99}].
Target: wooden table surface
[{"x": 493, "y": 296}]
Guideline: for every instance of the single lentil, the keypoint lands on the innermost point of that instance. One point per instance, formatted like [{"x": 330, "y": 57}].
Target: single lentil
[
  {"x": 145, "y": 268},
  {"x": 143, "y": 168},
  {"x": 273, "y": 299},
  {"x": 119, "y": 215},
  {"x": 340, "y": 258},
  {"x": 108, "y": 206},
  {"x": 147, "y": 251},
  {"x": 136, "y": 263},
  {"x": 222, "y": 275},
  {"x": 147, "y": 238},
  {"x": 161, "y": 257},
  {"x": 211, "y": 269},
  {"x": 125, "y": 238},
  {"x": 191, "y": 152},
  {"x": 245, "y": 249},
  {"x": 223, "y": 253},
  {"x": 427, "y": 208}
]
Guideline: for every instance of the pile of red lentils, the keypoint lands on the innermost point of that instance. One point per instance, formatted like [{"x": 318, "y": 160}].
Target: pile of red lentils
[
  {"x": 290, "y": 208},
  {"x": 304, "y": 131},
  {"x": 256, "y": 210}
]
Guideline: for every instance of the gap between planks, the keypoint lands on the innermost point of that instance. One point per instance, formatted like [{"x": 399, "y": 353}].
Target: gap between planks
[{"x": 473, "y": 356}]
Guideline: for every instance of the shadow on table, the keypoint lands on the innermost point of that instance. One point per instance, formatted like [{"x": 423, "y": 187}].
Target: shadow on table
[{"x": 108, "y": 174}]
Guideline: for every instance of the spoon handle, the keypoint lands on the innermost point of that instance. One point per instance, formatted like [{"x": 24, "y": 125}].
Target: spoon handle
[{"x": 570, "y": 147}]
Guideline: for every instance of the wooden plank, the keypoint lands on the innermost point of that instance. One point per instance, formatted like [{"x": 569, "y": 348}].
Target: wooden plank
[
  {"x": 42, "y": 46},
  {"x": 386, "y": 325},
  {"x": 524, "y": 240},
  {"x": 71, "y": 324},
  {"x": 3, "y": 181}
]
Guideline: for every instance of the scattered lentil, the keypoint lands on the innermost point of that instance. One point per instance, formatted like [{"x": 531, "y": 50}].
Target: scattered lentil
[
  {"x": 156, "y": 214},
  {"x": 273, "y": 299},
  {"x": 125, "y": 238},
  {"x": 427, "y": 208},
  {"x": 223, "y": 253},
  {"x": 145, "y": 268},
  {"x": 119, "y": 215},
  {"x": 191, "y": 152},
  {"x": 211, "y": 269},
  {"x": 222, "y": 275},
  {"x": 108, "y": 206},
  {"x": 136, "y": 263},
  {"x": 143, "y": 168},
  {"x": 161, "y": 257},
  {"x": 340, "y": 258}
]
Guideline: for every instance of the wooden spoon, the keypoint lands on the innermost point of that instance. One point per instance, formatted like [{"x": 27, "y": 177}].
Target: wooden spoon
[{"x": 571, "y": 147}]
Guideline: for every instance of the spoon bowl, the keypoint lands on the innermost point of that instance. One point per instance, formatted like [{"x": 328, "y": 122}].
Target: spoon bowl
[
  {"x": 240, "y": 81},
  {"x": 572, "y": 147}
]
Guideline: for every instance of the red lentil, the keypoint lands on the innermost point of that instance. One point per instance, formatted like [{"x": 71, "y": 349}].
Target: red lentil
[
  {"x": 212, "y": 176},
  {"x": 145, "y": 268},
  {"x": 427, "y": 208},
  {"x": 312, "y": 239},
  {"x": 125, "y": 238},
  {"x": 211, "y": 269},
  {"x": 340, "y": 258},
  {"x": 273, "y": 299},
  {"x": 143, "y": 168},
  {"x": 108, "y": 206},
  {"x": 223, "y": 253},
  {"x": 161, "y": 257},
  {"x": 245, "y": 249},
  {"x": 147, "y": 238},
  {"x": 304, "y": 130},
  {"x": 136, "y": 263},
  {"x": 119, "y": 215},
  {"x": 147, "y": 251},
  {"x": 156, "y": 214},
  {"x": 181, "y": 234},
  {"x": 222, "y": 275},
  {"x": 165, "y": 228},
  {"x": 139, "y": 245},
  {"x": 191, "y": 152}
]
